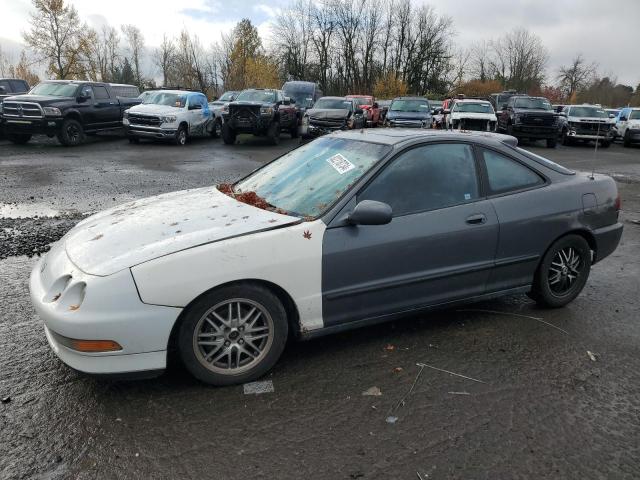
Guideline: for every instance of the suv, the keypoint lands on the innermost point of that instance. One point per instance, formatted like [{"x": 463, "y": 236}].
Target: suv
[
  {"x": 12, "y": 86},
  {"x": 529, "y": 117},
  {"x": 628, "y": 125},
  {"x": 261, "y": 112},
  {"x": 68, "y": 109},
  {"x": 470, "y": 114},
  {"x": 370, "y": 108},
  {"x": 171, "y": 115},
  {"x": 587, "y": 122}
]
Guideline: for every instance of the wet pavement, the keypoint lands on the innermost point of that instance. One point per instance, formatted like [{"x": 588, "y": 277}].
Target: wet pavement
[{"x": 546, "y": 408}]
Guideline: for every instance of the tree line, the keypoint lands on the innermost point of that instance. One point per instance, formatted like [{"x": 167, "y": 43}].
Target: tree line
[{"x": 385, "y": 47}]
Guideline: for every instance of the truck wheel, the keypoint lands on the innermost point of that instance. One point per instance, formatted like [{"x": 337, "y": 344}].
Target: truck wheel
[
  {"x": 274, "y": 133},
  {"x": 19, "y": 138},
  {"x": 294, "y": 130},
  {"x": 181, "y": 136},
  {"x": 228, "y": 135},
  {"x": 551, "y": 142},
  {"x": 71, "y": 134},
  {"x": 605, "y": 144},
  {"x": 627, "y": 139},
  {"x": 216, "y": 131}
]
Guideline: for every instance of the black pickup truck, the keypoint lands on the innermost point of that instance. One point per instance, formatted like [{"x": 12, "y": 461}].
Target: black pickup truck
[
  {"x": 529, "y": 117},
  {"x": 68, "y": 109},
  {"x": 12, "y": 86},
  {"x": 262, "y": 112}
]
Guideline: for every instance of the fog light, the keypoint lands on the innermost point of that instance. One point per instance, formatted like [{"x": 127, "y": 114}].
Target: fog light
[{"x": 94, "y": 346}]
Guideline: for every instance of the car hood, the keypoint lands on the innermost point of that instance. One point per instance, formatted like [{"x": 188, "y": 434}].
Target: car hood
[
  {"x": 152, "y": 109},
  {"x": 241, "y": 103},
  {"x": 591, "y": 119},
  {"x": 391, "y": 114},
  {"x": 149, "y": 228},
  {"x": 37, "y": 98},
  {"x": 527, "y": 111},
  {"x": 473, "y": 115},
  {"x": 328, "y": 112}
]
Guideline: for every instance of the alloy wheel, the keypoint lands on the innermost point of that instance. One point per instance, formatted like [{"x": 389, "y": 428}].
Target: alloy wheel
[
  {"x": 564, "y": 271},
  {"x": 233, "y": 336}
]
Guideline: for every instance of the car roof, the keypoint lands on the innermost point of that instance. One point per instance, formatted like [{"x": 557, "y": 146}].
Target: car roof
[
  {"x": 177, "y": 92},
  {"x": 411, "y": 98},
  {"x": 396, "y": 136},
  {"x": 472, "y": 100},
  {"x": 333, "y": 98}
]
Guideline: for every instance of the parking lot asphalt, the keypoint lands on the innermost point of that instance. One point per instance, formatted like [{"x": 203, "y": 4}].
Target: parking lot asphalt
[{"x": 558, "y": 394}]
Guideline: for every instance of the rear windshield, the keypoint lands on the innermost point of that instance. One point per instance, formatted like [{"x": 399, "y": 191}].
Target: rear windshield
[
  {"x": 55, "y": 89},
  {"x": 546, "y": 162}
]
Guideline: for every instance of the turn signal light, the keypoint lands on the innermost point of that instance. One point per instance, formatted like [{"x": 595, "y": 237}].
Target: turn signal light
[{"x": 94, "y": 346}]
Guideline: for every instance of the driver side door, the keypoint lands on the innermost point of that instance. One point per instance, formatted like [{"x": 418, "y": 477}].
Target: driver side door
[{"x": 439, "y": 246}]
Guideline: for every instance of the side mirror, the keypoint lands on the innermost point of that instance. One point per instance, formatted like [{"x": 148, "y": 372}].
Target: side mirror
[
  {"x": 370, "y": 212},
  {"x": 623, "y": 119}
]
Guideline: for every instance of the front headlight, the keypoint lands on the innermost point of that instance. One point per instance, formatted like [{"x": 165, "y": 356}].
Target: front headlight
[
  {"x": 225, "y": 109},
  {"x": 168, "y": 119},
  {"x": 266, "y": 110},
  {"x": 52, "y": 111}
]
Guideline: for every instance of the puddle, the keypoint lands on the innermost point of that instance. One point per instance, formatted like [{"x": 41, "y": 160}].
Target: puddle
[{"x": 27, "y": 210}]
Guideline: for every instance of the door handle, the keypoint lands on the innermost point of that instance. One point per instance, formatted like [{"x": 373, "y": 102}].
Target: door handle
[{"x": 477, "y": 219}]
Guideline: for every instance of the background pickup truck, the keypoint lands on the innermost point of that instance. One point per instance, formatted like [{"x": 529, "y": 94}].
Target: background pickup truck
[{"x": 67, "y": 109}]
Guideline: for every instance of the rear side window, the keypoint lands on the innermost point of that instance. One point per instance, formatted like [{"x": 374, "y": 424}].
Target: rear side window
[
  {"x": 18, "y": 86},
  {"x": 100, "y": 92},
  {"x": 426, "y": 178},
  {"x": 507, "y": 175}
]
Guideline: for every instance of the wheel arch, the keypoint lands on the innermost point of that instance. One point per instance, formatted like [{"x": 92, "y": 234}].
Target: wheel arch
[
  {"x": 581, "y": 232},
  {"x": 74, "y": 115},
  {"x": 293, "y": 316}
]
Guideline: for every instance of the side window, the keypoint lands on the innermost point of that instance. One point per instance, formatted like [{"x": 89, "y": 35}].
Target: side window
[
  {"x": 505, "y": 174},
  {"x": 100, "y": 92},
  {"x": 426, "y": 178},
  {"x": 87, "y": 91},
  {"x": 5, "y": 84},
  {"x": 18, "y": 86}
]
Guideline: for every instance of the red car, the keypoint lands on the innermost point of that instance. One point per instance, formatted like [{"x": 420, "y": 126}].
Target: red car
[{"x": 369, "y": 107}]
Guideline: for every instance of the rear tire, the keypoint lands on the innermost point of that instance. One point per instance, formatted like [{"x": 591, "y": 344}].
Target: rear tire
[
  {"x": 71, "y": 134},
  {"x": 213, "y": 338},
  {"x": 19, "y": 138},
  {"x": 228, "y": 135},
  {"x": 562, "y": 273},
  {"x": 627, "y": 139},
  {"x": 181, "y": 136},
  {"x": 274, "y": 133},
  {"x": 216, "y": 131}
]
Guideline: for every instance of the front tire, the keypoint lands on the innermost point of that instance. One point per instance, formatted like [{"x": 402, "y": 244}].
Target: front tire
[
  {"x": 274, "y": 133},
  {"x": 228, "y": 135},
  {"x": 233, "y": 335},
  {"x": 71, "y": 134},
  {"x": 181, "y": 136},
  {"x": 563, "y": 272},
  {"x": 19, "y": 138}
]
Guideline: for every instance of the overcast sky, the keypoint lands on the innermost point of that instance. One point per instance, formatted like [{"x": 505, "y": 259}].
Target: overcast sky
[{"x": 607, "y": 33}]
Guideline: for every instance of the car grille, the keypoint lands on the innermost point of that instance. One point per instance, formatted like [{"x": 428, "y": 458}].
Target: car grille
[
  {"x": 474, "y": 124},
  {"x": 21, "y": 110},
  {"x": 144, "y": 120},
  {"x": 538, "y": 120},
  {"x": 591, "y": 127},
  {"x": 326, "y": 122},
  {"x": 244, "y": 115}
]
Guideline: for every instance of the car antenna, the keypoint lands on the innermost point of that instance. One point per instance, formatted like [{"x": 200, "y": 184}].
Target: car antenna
[{"x": 595, "y": 155}]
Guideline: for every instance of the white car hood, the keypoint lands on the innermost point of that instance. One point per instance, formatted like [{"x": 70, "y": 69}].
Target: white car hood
[
  {"x": 591, "y": 119},
  {"x": 481, "y": 116},
  {"x": 152, "y": 109},
  {"x": 145, "y": 229}
]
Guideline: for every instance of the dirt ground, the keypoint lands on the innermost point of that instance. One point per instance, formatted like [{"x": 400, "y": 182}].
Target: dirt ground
[{"x": 544, "y": 407}]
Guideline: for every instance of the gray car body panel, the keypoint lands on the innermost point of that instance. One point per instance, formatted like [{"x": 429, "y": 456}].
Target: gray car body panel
[{"x": 423, "y": 260}]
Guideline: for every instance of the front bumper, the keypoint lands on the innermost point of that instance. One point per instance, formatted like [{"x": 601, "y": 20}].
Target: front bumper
[
  {"x": 529, "y": 131},
  {"x": 607, "y": 240},
  {"x": 256, "y": 125},
  {"x": 408, "y": 123},
  {"x": 150, "y": 132},
  {"x": 318, "y": 130},
  {"x": 633, "y": 135},
  {"x": 43, "y": 126},
  {"x": 76, "y": 305}
]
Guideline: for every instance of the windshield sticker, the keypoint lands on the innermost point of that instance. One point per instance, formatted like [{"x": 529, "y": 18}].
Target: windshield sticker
[{"x": 341, "y": 164}]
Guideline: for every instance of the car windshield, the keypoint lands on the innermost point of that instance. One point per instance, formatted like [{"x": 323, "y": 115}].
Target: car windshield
[
  {"x": 166, "y": 98},
  {"x": 634, "y": 115},
  {"x": 55, "y": 89},
  {"x": 334, "y": 103},
  {"x": 363, "y": 100},
  {"x": 306, "y": 181},
  {"x": 533, "y": 103},
  {"x": 264, "y": 96},
  {"x": 588, "y": 112},
  {"x": 474, "y": 107},
  {"x": 409, "y": 106},
  {"x": 227, "y": 97}
]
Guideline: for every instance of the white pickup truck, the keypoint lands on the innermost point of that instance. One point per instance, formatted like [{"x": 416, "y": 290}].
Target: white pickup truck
[
  {"x": 173, "y": 115},
  {"x": 471, "y": 114}
]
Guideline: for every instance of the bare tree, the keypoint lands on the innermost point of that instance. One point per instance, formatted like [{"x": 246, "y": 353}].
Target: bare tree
[
  {"x": 5, "y": 63},
  {"x": 519, "y": 60},
  {"x": 164, "y": 59},
  {"x": 576, "y": 76},
  {"x": 58, "y": 38},
  {"x": 135, "y": 41},
  {"x": 479, "y": 61},
  {"x": 103, "y": 54}
]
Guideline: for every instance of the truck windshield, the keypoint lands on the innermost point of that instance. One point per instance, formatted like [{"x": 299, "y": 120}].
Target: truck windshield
[
  {"x": 474, "y": 107},
  {"x": 306, "y": 181},
  {"x": 165, "y": 98},
  {"x": 409, "y": 106},
  {"x": 533, "y": 104},
  {"x": 55, "y": 89},
  {"x": 264, "y": 96},
  {"x": 588, "y": 112},
  {"x": 227, "y": 96},
  {"x": 334, "y": 104}
]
